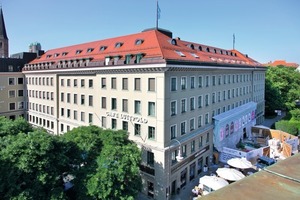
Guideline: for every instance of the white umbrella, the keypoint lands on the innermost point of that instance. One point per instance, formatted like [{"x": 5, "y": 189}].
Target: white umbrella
[
  {"x": 241, "y": 163},
  {"x": 230, "y": 174},
  {"x": 213, "y": 182}
]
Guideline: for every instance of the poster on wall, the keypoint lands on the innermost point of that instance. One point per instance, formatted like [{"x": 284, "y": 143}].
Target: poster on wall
[{"x": 221, "y": 134}]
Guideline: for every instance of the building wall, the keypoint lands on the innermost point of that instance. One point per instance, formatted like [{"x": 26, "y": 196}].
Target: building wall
[
  {"x": 12, "y": 94},
  {"x": 99, "y": 100}
]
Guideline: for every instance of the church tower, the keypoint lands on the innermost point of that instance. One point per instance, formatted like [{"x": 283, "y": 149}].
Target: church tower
[{"x": 3, "y": 37}]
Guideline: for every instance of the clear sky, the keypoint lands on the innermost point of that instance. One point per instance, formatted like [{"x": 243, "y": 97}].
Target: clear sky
[{"x": 266, "y": 30}]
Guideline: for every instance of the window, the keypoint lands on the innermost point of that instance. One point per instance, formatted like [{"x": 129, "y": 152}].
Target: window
[
  {"x": 20, "y": 81},
  {"x": 150, "y": 158},
  {"x": 82, "y": 82},
  {"x": 11, "y": 81},
  {"x": 151, "y": 108},
  {"x": 207, "y": 137},
  {"x": 82, "y": 99},
  {"x": 68, "y": 113},
  {"x": 90, "y": 83},
  {"x": 183, "y": 105},
  {"x": 113, "y": 124},
  {"x": 192, "y": 124},
  {"x": 224, "y": 95},
  {"x": 68, "y": 82},
  {"x": 62, "y": 112},
  {"x": 213, "y": 80},
  {"x": 62, "y": 97},
  {"x": 20, "y": 93},
  {"x": 137, "y": 129},
  {"x": 125, "y": 105},
  {"x": 183, "y": 150},
  {"x": 228, "y": 94},
  {"x": 183, "y": 128},
  {"x": 219, "y": 80},
  {"x": 103, "y": 83},
  {"x": 151, "y": 84},
  {"x": 90, "y": 118},
  {"x": 68, "y": 97},
  {"x": 173, "y": 131},
  {"x": 137, "y": 84},
  {"x": 75, "y": 114},
  {"x": 200, "y": 141},
  {"x": 199, "y": 121},
  {"x": 173, "y": 108},
  {"x": 183, "y": 83},
  {"x": 10, "y": 67},
  {"x": 12, "y": 106},
  {"x": 213, "y": 98},
  {"x": 192, "y": 103},
  {"x": 199, "y": 101},
  {"x": 91, "y": 100},
  {"x": 192, "y": 82},
  {"x": 151, "y": 132},
  {"x": 127, "y": 59},
  {"x": 113, "y": 103},
  {"x": 125, "y": 84},
  {"x": 11, "y": 93},
  {"x": 200, "y": 81},
  {"x": 103, "y": 102},
  {"x": 103, "y": 122},
  {"x": 206, "y": 100},
  {"x": 207, "y": 81},
  {"x": 75, "y": 99},
  {"x": 206, "y": 118},
  {"x": 192, "y": 146},
  {"x": 137, "y": 107},
  {"x": 173, "y": 84},
  {"x": 75, "y": 82},
  {"x": 125, "y": 125},
  {"x": 62, "y": 82},
  {"x": 20, "y": 105},
  {"x": 107, "y": 59},
  {"x": 113, "y": 83}
]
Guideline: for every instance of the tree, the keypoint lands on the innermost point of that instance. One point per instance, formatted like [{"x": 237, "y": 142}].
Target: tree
[
  {"x": 32, "y": 165},
  {"x": 117, "y": 175},
  {"x": 13, "y": 127}
]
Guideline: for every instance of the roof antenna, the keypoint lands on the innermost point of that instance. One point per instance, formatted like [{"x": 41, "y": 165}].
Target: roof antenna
[
  {"x": 233, "y": 41},
  {"x": 157, "y": 14}
]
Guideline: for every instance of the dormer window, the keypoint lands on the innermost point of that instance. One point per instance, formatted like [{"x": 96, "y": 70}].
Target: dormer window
[
  {"x": 64, "y": 53},
  {"x": 56, "y": 55},
  {"x": 215, "y": 50},
  {"x": 173, "y": 42},
  {"x": 200, "y": 48},
  {"x": 195, "y": 55},
  {"x": 207, "y": 49},
  {"x": 127, "y": 58},
  {"x": 139, "y": 57},
  {"x": 78, "y": 51},
  {"x": 48, "y": 56},
  {"x": 107, "y": 59},
  {"x": 221, "y": 52},
  {"x": 231, "y": 54},
  {"x": 89, "y": 50},
  {"x": 191, "y": 46},
  {"x": 180, "y": 53},
  {"x": 102, "y": 48},
  {"x": 118, "y": 44},
  {"x": 139, "y": 41}
]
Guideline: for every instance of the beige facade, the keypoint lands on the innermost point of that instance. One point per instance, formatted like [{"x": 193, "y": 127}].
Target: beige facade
[
  {"x": 163, "y": 107},
  {"x": 12, "y": 94}
]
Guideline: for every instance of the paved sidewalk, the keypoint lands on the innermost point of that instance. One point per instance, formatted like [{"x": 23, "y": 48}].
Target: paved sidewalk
[{"x": 270, "y": 122}]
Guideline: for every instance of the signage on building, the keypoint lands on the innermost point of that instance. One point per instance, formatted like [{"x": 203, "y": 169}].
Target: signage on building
[{"x": 127, "y": 117}]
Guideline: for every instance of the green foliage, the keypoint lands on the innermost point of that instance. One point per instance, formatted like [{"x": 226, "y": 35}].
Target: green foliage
[
  {"x": 282, "y": 88},
  {"x": 31, "y": 166},
  {"x": 117, "y": 175},
  {"x": 13, "y": 127},
  {"x": 291, "y": 127},
  {"x": 295, "y": 114}
]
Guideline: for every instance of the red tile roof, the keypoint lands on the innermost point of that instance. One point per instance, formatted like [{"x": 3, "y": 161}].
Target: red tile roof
[
  {"x": 155, "y": 44},
  {"x": 283, "y": 63}
]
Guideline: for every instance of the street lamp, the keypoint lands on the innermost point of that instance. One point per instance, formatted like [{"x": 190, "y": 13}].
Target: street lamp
[{"x": 179, "y": 156}]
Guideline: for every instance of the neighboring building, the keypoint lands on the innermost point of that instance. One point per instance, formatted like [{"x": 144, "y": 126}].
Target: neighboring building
[
  {"x": 12, "y": 87},
  {"x": 281, "y": 63},
  {"x": 164, "y": 91}
]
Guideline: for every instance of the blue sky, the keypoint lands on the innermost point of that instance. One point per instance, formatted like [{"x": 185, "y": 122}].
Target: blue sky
[{"x": 266, "y": 30}]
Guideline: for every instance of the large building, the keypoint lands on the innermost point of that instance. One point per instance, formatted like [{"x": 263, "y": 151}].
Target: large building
[
  {"x": 12, "y": 87},
  {"x": 164, "y": 91}
]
